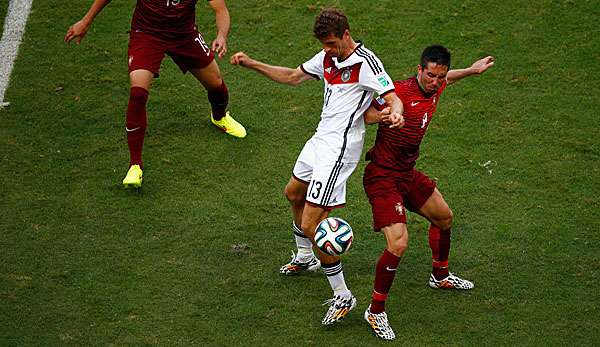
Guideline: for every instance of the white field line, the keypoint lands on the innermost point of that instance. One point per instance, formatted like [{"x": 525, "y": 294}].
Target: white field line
[{"x": 14, "y": 26}]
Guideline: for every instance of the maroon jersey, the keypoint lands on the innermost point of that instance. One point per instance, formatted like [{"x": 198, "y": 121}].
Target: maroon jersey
[
  {"x": 165, "y": 18},
  {"x": 398, "y": 149}
]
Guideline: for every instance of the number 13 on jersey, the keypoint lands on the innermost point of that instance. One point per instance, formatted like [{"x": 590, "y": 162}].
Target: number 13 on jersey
[{"x": 315, "y": 189}]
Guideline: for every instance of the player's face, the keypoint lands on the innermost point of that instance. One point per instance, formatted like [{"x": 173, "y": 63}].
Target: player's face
[
  {"x": 335, "y": 46},
  {"x": 432, "y": 77}
]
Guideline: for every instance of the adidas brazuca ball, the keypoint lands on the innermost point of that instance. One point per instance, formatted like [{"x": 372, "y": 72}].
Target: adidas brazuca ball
[{"x": 334, "y": 236}]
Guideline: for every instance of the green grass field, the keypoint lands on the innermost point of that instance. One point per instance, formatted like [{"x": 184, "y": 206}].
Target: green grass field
[{"x": 192, "y": 258}]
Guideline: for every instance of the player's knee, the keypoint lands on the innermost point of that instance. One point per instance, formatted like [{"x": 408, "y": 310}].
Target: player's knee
[
  {"x": 398, "y": 246},
  {"x": 445, "y": 222},
  {"x": 293, "y": 196}
]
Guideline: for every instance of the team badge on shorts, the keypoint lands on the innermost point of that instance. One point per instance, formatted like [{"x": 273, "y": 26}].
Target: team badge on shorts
[
  {"x": 346, "y": 75},
  {"x": 399, "y": 208},
  {"x": 130, "y": 59}
]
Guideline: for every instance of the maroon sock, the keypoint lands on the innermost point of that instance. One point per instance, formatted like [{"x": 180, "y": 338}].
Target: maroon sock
[
  {"x": 218, "y": 98},
  {"x": 135, "y": 124},
  {"x": 385, "y": 271},
  {"x": 439, "y": 241}
]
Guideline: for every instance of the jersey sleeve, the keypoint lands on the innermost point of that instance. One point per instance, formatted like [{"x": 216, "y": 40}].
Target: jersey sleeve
[
  {"x": 314, "y": 66},
  {"x": 374, "y": 78}
]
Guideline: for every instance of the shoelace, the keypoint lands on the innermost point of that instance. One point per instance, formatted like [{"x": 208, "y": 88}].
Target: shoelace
[{"x": 338, "y": 300}]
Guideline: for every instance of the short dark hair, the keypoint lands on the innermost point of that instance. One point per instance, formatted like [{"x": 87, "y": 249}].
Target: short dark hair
[
  {"x": 330, "y": 21},
  {"x": 436, "y": 54}
]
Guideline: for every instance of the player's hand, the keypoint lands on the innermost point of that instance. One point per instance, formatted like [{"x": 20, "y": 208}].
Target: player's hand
[
  {"x": 77, "y": 31},
  {"x": 396, "y": 120},
  {"x": 481, "y": 65},
  {"x": 384, "y": 116},
  {"x": 219, "y": 46},
  {"x": 239, "y": 58}
]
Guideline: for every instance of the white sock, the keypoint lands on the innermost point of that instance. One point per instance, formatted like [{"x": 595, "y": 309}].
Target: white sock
[
  {"x": 335, "y": 276},
  {"x": 303, "y": 244}
]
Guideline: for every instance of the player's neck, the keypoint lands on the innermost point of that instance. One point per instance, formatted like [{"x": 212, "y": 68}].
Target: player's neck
[{"x": 349, "y": 50}]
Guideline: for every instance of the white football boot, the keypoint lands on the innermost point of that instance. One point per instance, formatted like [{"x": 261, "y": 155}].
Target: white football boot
[
  {"x": 339, "y": 307},
  {"x": 380, "y": 325},
  {"x": 450, "y": 282},
  {"x": 296, "y": 267}
]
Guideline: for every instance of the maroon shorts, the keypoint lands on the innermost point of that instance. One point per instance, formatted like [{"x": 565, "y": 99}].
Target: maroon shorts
[
  {"x": 391, "y": 192},
  {"x": 146, "y": 51}
]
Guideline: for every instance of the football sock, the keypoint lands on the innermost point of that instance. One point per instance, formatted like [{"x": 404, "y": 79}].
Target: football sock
[
  {"x": 385, "y": 271},
  {"x": 135, "y": 124},
  {"x": 303, "y": 244},
  {"x": 335, "y": 276},
  {"x": 218, "y": 98},
  {"x": 439, "y": 241}
]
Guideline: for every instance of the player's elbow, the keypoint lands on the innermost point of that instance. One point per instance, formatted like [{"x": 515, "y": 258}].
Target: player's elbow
[{"x": 294, "y": 80}]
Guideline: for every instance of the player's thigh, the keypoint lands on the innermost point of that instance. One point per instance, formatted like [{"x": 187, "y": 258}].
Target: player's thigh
[
  {"x": 304, "y": 165},
  {"x": 141, "y": 78},
  {"x": 193, "y": 54},
  {"x": 327, "y": 187},
  {"x": 436, "y": 210},
  {"x": 145, "y": 52},
  {"x": 385, "y": 197}
]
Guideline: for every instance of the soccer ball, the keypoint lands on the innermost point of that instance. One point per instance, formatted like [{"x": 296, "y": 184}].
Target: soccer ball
[{"x": 333, "y": 236}]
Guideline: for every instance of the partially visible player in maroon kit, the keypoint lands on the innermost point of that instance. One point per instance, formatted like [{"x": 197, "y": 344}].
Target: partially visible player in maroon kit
[
  {"x": 160, "y": 27},
  {"x": 393, "y": 185}
]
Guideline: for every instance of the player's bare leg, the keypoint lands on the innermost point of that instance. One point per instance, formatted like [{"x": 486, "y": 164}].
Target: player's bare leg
[
  {"x": 135, "y": 125},
  {"x": 343, "y": 301},
  {"x": 304, "y": 260},
  {"x": 218, "y": 96},
  {"x": 396, "y": 236},
  {"x": 436, "y": 210}
]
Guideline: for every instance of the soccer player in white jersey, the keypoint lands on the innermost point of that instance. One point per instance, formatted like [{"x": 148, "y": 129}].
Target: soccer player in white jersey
[{"x": 353, "y": 75}]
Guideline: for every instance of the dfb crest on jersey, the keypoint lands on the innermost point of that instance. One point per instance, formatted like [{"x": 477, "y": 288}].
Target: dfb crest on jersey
[{"x": 346, "y": 75}]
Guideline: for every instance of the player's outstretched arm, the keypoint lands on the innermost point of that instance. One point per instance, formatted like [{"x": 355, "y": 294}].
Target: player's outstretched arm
[
  {"x": 78, "y": 30},
  {"x": 278, "y": 74},
  {"x": 219, "y": 45},
  {"x": 478, "y": 67}
]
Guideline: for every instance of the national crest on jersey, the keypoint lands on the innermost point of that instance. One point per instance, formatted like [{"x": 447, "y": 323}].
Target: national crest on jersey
[
  {"x": 350, "y": 85},
  {"x": 335, "y": 75}
]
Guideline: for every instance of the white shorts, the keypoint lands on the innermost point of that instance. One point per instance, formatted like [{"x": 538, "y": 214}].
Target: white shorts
[{"x": 325, "y": 174}]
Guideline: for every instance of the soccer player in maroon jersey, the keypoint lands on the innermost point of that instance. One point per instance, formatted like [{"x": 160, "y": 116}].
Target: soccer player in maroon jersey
[
  {"x": 393, "y": 185},
  {"x": 160, "y": 27}
]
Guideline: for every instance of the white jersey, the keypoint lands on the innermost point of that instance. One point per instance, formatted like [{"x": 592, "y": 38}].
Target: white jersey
[{"x": 350, "y": 85}]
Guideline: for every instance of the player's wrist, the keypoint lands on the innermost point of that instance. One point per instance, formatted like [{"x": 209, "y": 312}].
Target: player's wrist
[{"x": 87, "y": 20}]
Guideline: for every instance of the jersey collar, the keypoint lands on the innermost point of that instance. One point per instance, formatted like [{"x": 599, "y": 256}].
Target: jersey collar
[{"x": 351, "y": 53}]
